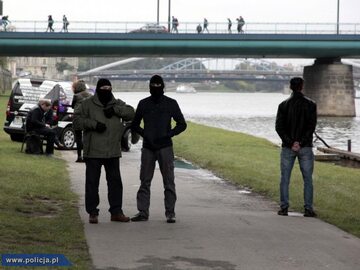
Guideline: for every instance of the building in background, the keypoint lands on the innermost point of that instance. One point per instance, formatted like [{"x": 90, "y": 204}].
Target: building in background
[{"x": 59, "y": 68}]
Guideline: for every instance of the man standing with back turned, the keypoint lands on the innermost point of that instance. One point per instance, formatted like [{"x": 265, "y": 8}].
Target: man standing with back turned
[
  {"x": 157, "y": 111},
  {"x": 295, "y": 123}
]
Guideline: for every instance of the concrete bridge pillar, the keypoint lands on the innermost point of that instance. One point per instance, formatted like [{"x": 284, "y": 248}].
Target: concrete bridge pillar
[{"x": 330, "y": 84}]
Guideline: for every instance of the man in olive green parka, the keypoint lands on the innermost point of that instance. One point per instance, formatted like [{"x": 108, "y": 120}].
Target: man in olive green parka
[{"x": 100, "y": 118}]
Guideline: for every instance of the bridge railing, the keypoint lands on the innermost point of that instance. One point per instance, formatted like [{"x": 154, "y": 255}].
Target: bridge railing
[{"x": 189, "y": 27}]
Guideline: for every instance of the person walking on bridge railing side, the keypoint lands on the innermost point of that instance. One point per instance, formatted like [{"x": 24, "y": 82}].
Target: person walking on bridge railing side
[
  {"x": 5, "y": 21},
  {"x": 157, "y": 112},
  {"x": 100, "y": 119},
  {"x": 206, "y": 23},
  {"x": 229, "y": 25},
  {"x": 199, "y": 29},
  {"x": 50, "y": 24},
  {"x": 174, "y": 25},
  {"x": 295, "y": 123},
  {"x": 241, "y": 23},
  {"x": 65, "y": 24}
]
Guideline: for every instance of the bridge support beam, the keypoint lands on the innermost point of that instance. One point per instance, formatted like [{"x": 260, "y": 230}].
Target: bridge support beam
[{"x": 330, "y": 84}]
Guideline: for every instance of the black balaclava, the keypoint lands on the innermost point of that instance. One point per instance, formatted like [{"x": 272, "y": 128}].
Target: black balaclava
[
  {"x": 156, "y": 92},
  {"x": 104, "y": 95}
]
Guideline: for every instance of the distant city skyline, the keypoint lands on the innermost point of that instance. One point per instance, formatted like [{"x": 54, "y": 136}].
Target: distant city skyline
[{"x": 324, "y": 11}]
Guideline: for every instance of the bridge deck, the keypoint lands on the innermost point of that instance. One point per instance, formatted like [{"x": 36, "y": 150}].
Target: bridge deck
[{"x": 194, "y": 45}]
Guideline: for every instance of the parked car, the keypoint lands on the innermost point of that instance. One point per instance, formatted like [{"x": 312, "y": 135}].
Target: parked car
[
  {"x": 25, "y": 95},
  {"x": 151, "y": 28}
]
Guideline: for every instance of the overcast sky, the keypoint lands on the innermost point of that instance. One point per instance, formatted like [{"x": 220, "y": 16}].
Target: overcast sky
[{"x": 185, "y": 10}]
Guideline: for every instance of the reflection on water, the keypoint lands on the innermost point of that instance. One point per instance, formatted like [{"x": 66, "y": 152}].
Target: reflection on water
[{"x": 255, "y": 114}]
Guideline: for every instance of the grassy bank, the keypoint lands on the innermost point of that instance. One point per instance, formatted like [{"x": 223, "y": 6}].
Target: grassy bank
[
  {"x": 253, "y": 162},
  {"x": 38, "y": 211}
]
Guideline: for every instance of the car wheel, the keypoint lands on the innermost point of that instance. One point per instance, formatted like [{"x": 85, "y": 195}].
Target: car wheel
[
  {"x": 17, "y": 137},
  {"x": 126, "y": 141},
  {"x": 68, "y": 138}
]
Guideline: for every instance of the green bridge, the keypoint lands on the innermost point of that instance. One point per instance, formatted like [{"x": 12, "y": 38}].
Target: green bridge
[
  {"x": 328, "y": 81},
  {"x": 203, "y": 45}
]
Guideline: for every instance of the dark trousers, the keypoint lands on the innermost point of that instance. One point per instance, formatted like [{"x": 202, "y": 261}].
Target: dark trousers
[
  {"x": 165, "y": 158},
  {"x": 114, "y": 183},
  {"x": 50, "y": 136},
  {"x": 79, "y": 142}
]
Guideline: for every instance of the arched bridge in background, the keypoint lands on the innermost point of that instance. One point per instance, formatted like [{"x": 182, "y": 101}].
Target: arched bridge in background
[{"x": 197, "y": 69}]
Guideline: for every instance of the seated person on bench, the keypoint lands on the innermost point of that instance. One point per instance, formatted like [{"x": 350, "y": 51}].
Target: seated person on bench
[{"x": 38, "y": 120}]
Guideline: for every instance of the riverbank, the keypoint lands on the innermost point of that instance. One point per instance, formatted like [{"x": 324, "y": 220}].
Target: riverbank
[
  {"x": 38, "y": 211},
  {"x": 253, "y": 163}
]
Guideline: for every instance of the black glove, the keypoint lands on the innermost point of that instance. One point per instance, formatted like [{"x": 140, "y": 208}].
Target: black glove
[
  {"x": 100, "y": 127},
  {"x": 109, "y": 112}
]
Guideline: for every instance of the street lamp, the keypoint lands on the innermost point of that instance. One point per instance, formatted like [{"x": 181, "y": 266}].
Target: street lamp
[
  {"x": 43, "y": 70},
  {"x": 338, "y": 17},
  {"x": 169, "y": 15},
  {"x": 158, "y": 7}
]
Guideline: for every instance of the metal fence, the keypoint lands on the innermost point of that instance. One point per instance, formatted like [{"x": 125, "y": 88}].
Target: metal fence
[{"x": 188, "y": 27}]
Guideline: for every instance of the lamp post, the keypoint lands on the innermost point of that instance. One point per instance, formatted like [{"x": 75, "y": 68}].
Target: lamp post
[
  {"x": 158, "y": 7},
  {"x": 43, "y": 70},
  {"x": 169, "y": 13},
  {"x": 338, "y": 17}
]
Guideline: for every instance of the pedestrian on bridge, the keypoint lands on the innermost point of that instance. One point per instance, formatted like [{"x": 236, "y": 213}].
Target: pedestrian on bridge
[
  {"x": 50, "y": 24},
  {"x": 65, "y": 24},
  {"x": 206, "y": 23},
  {"x": 295, "y": 123},
  {"x": 241, "y": 23},
  {"x": 5, "y": 21},
  {"x": 199, "y": 29},
  {"x": 174, "y": 25},
  {"x": 229, "y": 25},
  {"x": 157, "y": 112}
]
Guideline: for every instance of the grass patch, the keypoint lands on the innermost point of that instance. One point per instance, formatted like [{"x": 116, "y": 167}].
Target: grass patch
[
  {"x": 38, "y": 211},
  {"x": 254, "y": 162}
]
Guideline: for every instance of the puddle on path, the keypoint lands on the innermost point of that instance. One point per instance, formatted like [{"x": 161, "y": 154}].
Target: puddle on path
[{"x": 182, "y": 164}]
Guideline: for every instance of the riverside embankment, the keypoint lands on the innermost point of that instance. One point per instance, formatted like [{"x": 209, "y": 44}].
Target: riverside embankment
[{"x": 254, "y": 163}]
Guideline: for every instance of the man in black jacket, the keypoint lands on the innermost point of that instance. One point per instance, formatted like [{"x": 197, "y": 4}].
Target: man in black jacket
[
  {"x": 157, "y": 111},
  {"x": 38, "y": 120},
  {"x": 295, "y": 123}
]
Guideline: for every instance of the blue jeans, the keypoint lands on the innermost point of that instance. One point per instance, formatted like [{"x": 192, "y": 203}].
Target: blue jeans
[{"x": 306, "y": 162}]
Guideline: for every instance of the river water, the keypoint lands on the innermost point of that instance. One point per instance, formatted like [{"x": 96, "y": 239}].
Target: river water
[{"x": 254, "y": 113}]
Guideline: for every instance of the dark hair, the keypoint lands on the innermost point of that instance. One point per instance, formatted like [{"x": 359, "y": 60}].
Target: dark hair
[{"x": 296, "y": 83}]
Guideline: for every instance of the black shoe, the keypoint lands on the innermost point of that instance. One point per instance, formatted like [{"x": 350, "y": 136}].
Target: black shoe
[
  {"x": 283, "y": 212},
  {"x": 309, "y": 213},
  {"x": 93, "y": 219},
  {"x": 170, "y": 219},
  {"x": 139, "y": 217}
]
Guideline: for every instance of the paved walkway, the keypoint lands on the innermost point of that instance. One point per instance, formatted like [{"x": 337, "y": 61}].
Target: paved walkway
[{"x": 218, "y": 227}]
